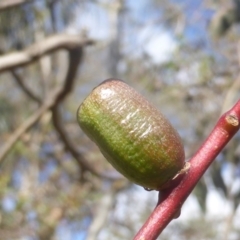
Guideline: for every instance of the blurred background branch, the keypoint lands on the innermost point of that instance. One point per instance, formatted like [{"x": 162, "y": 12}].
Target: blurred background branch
[
  {"x": 37, "y": 50},
  {"x": 6, "y": 4}
]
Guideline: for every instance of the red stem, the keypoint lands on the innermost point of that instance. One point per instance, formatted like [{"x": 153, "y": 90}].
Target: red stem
[{"x": 172, "y": 199}]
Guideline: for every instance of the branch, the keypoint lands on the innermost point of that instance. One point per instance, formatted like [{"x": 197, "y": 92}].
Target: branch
[
  {"x": 23, "y": 86},
  {"x": 53, "y": 102},
  {"x": 37, "y": 50},
  {"x": 75, "y": 57},
  {"x": 172, "y": 199},
  {"x": 75, "y": 48},
  {"x": 34, "y": 52},
  {"x": 28, "y": 124},
  {"x": 83, "y": 163},
  {"x": 7, "y": 4}
]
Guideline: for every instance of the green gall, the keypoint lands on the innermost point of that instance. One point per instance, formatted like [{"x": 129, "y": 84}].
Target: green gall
[{"x": 132, "y": 134}]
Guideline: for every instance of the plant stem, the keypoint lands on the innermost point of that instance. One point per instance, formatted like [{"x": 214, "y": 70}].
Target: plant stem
[{"x": 172, "y": 199}]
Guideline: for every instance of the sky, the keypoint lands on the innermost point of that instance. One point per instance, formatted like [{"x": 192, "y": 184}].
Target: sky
[{"x": 157, "y": 43}]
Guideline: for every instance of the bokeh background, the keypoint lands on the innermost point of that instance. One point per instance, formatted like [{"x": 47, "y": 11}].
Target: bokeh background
[{"x": 183, "y": 56}]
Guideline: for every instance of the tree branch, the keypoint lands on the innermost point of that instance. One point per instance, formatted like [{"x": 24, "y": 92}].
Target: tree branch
[
  {"x": 25, "y": 89},
  {"x": 55, "y": 96},
  {"x": 7, "y": 4},
  {"x": 83, "y": 163},
  {"x": 37, "y": 50},
  {"x": 74, "y": 45},
  {"x": 28, "y": 124},
  {"x": 172, "y": 199},
  {"x": 75, "y": 57}
]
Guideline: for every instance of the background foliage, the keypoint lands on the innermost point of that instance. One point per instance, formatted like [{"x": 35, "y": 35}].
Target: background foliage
[{"x": 182, "y": 55}]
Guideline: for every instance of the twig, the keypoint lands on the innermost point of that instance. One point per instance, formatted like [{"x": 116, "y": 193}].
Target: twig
[
  {"x": 37, "y": 50},
  {"x": 23, "y": 86},
  {"x": 172, "y": 199}
]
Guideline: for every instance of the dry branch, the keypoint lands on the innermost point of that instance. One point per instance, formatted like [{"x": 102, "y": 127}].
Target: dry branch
[
  {"x": 75, "y": 57},
  {"x": 7, "y": 4},
  {"x": 28, "y": 124},
  {"x": 25, "y": 89},
  {"x": 37, "y": 50},
  {"x": 56, "y": 95},
  {"x": 74, "y": 45}
]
